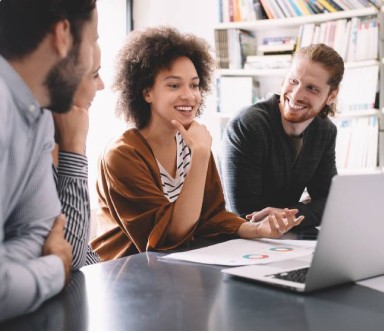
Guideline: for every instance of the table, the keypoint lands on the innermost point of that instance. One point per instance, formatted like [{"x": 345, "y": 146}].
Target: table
[{"x": 143, "y": 292}]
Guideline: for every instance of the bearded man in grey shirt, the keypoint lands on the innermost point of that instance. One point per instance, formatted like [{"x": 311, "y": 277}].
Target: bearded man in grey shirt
[
  {"x": 275, "y": 149},
  {"x": 46, "y": 46}
]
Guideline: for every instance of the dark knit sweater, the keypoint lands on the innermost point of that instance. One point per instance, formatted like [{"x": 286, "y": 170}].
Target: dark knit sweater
[{"x": 258, "y": 167}]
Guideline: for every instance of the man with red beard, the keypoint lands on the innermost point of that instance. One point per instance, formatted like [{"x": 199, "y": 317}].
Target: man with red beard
[
  {"x": 275, "y": 149},
  {"x": 46, "y": 47}
]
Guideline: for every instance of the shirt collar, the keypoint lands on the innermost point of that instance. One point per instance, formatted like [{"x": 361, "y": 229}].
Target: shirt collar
[{"x": 25, "y": 101}]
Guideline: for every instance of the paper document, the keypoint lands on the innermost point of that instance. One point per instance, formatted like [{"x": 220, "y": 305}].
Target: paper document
[
  {"x": 239, "y": 252},
  {"x": 376, "y": 283}
]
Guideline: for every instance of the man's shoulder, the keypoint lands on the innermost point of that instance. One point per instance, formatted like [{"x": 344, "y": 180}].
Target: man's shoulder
[
  {"x": 324, "y": 124},
  {"x": 258, "y": 115}
]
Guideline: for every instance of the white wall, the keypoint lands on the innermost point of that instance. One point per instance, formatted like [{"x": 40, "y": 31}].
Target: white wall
[
  {"x": 195, "y": 16},
  {"x": 103, "y": 124}
]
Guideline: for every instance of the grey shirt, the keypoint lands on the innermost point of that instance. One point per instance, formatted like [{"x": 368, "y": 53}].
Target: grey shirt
[{"x": 28, "y": 199}]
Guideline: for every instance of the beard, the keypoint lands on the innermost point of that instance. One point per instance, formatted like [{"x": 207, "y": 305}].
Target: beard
[
  {"x": 296, "y": 116},
  {"x": 63, "y": 80}
]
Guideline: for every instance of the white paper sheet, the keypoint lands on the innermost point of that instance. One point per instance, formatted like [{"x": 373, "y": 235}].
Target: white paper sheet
[
  {"x": 376, "y": 283},
  {"x": 238, "y": 252}
]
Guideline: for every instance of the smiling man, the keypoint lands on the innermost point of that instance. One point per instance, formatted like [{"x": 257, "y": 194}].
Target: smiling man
[{"x": 275, "y": 149}]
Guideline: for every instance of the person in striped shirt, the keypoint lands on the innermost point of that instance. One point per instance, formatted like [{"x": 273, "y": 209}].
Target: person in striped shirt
[
  {"x": 158, "y": 185},
  {"x": 70, "y": 166}
]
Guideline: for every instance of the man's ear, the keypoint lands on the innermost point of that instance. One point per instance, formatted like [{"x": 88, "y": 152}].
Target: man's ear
[
  {"x": 62, "y": 37},
  {"x": 332, "y": 96}
]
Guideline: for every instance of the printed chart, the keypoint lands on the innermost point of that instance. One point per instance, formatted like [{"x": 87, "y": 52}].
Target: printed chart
[{"x": 238, "y": 252}]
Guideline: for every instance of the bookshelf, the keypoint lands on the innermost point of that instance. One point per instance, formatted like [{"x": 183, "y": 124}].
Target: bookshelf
[{"x": 360, "y": 117}]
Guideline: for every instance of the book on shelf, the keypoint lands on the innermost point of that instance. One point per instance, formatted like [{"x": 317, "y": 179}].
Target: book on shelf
[
  {"x": 268, "y": 61},
  {"x": 276, "y": 45},
  {"x": 377, "y": 3},
  {"x": 304, "y": 8},
  {"x": 357, "y": 142},
  {"x": 295, "y": 7},
  {"x": 259, "y": 10},
  {"x": 234, "y": 93},
  {"x": 328, "y": 6},
  {"x": 233, "y": 46},
  {"x": 363, "y": 80},
  {"x": 362, "y": 44},
  {"x": 354, "y": 39},
  {"x": 239, "y": 10},
  {"x": 286, "y": 8},
  {"x": 266, "y": 5},
  {"x": 317, "y": 7}
]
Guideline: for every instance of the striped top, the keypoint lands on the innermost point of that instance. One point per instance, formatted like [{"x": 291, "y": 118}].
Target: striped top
[
  {"x": 71, "y": 179},
  {"x": 172, "y": 186}
]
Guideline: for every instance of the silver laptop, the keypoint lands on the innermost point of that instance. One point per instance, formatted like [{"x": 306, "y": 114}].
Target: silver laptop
[{"x": 349, "y": 246}]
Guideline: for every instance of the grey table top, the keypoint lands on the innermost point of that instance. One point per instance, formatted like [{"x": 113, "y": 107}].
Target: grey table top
[{"x": 141, "y": 292}]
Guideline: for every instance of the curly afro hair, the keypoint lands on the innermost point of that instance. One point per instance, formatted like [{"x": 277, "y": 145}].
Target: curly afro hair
[{"x": 143, "y": 55}]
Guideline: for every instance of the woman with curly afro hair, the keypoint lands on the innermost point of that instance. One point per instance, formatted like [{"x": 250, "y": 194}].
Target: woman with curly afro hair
[{"x": 158, "y": 185}]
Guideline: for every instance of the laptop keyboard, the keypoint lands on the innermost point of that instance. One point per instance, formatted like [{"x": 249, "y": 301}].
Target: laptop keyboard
[{"x": 297, "y": 275}]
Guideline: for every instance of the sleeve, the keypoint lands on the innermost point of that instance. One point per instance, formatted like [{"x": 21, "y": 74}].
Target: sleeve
[
  {"x": 26, "y": 277},
  {"x": 72, "y": 186},
  {"x": 241, "y": 164},
  {"x": 24, "y": 286},
  {"x": 319, "y": 186}
]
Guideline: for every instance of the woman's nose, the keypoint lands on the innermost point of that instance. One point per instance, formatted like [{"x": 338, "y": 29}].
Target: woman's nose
[{"x": 187, "y": 94}]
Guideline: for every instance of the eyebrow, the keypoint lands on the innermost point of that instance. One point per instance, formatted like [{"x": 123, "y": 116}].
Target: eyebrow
[{"x": 172, "y": 77}]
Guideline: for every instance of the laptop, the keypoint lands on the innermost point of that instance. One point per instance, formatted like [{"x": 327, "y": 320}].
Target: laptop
[{"x": 349, "y": 246}]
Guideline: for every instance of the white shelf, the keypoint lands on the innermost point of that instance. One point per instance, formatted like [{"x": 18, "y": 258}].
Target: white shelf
[
  {"x": 364, "y": 63},
  {"x": 354, "y": 114},
  {"x": 253, "y": 72},
  {"x": 283, "y": 71},
  {"x": 295, "y": 21}
]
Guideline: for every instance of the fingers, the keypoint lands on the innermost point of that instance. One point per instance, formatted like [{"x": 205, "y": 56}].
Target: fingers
[
  {"x": 179, "y": 127},
  {"x": 258, "y": 215},
  {"x": 57, "y": 245},
  {"x": 274, "y": 226},
  {"x": 284, "y": 222},
  {"x": 281, "y": 224},
  {"x": 292, "y": 221},
  {"x": 59, "y": 224}
]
